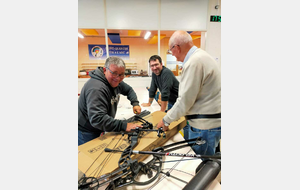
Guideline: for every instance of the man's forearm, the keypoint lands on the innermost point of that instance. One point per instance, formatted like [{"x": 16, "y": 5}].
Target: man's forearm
[
  {"x": 150, "y": 100},
  {"x": 163, "y": 105}
]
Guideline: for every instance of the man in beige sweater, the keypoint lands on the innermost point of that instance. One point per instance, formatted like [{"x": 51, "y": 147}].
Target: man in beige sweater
[{"x": 199, "y": 96}]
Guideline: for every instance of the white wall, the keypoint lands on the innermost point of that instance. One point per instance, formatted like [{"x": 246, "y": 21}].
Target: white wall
[
  {"x": 91, "y": 14},
  {"x": 213, "y": 34},
  {"x": 189, "y": 15},
  {"x": 132, "y": 14},
  {"x": 143, "y": 14}
]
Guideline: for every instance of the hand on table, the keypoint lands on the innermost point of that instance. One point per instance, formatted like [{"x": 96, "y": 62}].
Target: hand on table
[
  {"x": 132, "y": 126},
  {"x": 146, "y": 104}
]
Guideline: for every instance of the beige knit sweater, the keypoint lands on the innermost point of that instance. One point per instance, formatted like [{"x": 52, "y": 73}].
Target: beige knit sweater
[{"x": 199, "y": 91}]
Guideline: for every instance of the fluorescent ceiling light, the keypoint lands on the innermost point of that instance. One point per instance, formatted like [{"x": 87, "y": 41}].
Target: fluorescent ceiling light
[
  {"x": 147, "y": 35},
  {"x": 80, "y": 36}
]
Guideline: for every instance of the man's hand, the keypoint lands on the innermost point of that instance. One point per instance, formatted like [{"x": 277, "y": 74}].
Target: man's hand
[
  {"x": 132, "y": 126},
  {"x": 137, "y": 109},
  {"x": 146, "y": 104},
  {"x": 149, "y": 103},
  {"x": 161, "y": 124}
]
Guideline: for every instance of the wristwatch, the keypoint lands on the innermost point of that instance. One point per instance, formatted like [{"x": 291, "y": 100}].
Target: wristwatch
[{"x": 165, "y": 123}]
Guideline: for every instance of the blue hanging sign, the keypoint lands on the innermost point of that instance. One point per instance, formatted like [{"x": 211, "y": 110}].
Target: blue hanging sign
[{"x": 121, "y": 51}]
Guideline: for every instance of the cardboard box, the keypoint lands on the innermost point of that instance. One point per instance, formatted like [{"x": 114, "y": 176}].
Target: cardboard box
[{"x": 94, "y": 162}]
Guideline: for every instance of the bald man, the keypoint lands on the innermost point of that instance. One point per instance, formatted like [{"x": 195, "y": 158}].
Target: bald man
[{"x": 199, "y": 96}]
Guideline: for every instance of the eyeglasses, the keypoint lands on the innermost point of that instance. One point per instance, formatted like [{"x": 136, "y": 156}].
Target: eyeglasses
[
  {"x": 170, "y": 50},
  {"x": 154, "y": 65},
  {"x": 115, "y": 75}
]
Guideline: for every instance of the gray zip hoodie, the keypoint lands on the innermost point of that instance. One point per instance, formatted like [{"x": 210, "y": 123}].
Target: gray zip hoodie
[{"x": 98, "y": 101}]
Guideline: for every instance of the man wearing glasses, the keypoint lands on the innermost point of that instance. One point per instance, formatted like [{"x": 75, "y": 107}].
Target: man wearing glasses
[
  {"x": 199, "y": 96},
  {"x": 165, "y": 81},
  {"x": 99, "y": 97}
]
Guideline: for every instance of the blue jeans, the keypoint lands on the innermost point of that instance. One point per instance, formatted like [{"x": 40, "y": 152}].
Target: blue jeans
[
  {"x": 169, "y": 107},
  {"x": 84, "y": 137},
  {"x": 156, "y": 97},
  {"x": 211, "y": 136}
]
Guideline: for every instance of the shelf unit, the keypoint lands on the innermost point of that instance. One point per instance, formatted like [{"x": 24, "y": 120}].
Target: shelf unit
[
  {"x": 90, "y": 66},
  {"x": 131, "y": 66}
]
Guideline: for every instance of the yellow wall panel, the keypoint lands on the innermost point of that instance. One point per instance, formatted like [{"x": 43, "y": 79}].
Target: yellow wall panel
[
  {"x": 89, "y": 31},
  {"x": 134, "y": 32},
  {"x": 195, "y": 37},
  {"x": 154, "y": 39}
]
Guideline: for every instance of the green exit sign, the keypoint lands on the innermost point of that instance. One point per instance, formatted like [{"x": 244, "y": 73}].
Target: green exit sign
[{"x": 215, "y": 18}]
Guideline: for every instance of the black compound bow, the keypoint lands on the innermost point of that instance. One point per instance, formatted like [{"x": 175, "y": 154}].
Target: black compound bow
[{"x": 130, "y": 170}]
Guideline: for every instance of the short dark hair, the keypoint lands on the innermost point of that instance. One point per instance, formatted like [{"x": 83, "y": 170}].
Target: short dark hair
[{"x": 154, "y": 57}]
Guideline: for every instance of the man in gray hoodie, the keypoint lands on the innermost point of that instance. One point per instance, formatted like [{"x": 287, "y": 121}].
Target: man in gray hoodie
[{"x": 99, "y": 98}]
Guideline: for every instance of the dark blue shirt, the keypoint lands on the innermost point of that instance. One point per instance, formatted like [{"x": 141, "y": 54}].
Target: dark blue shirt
[{"x": 167, "y": 84}]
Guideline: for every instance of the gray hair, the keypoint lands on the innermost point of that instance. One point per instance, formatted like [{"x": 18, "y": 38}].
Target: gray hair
[
  {"x": 115, "y": 61},
  {"x": 180, "y": 37}
]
